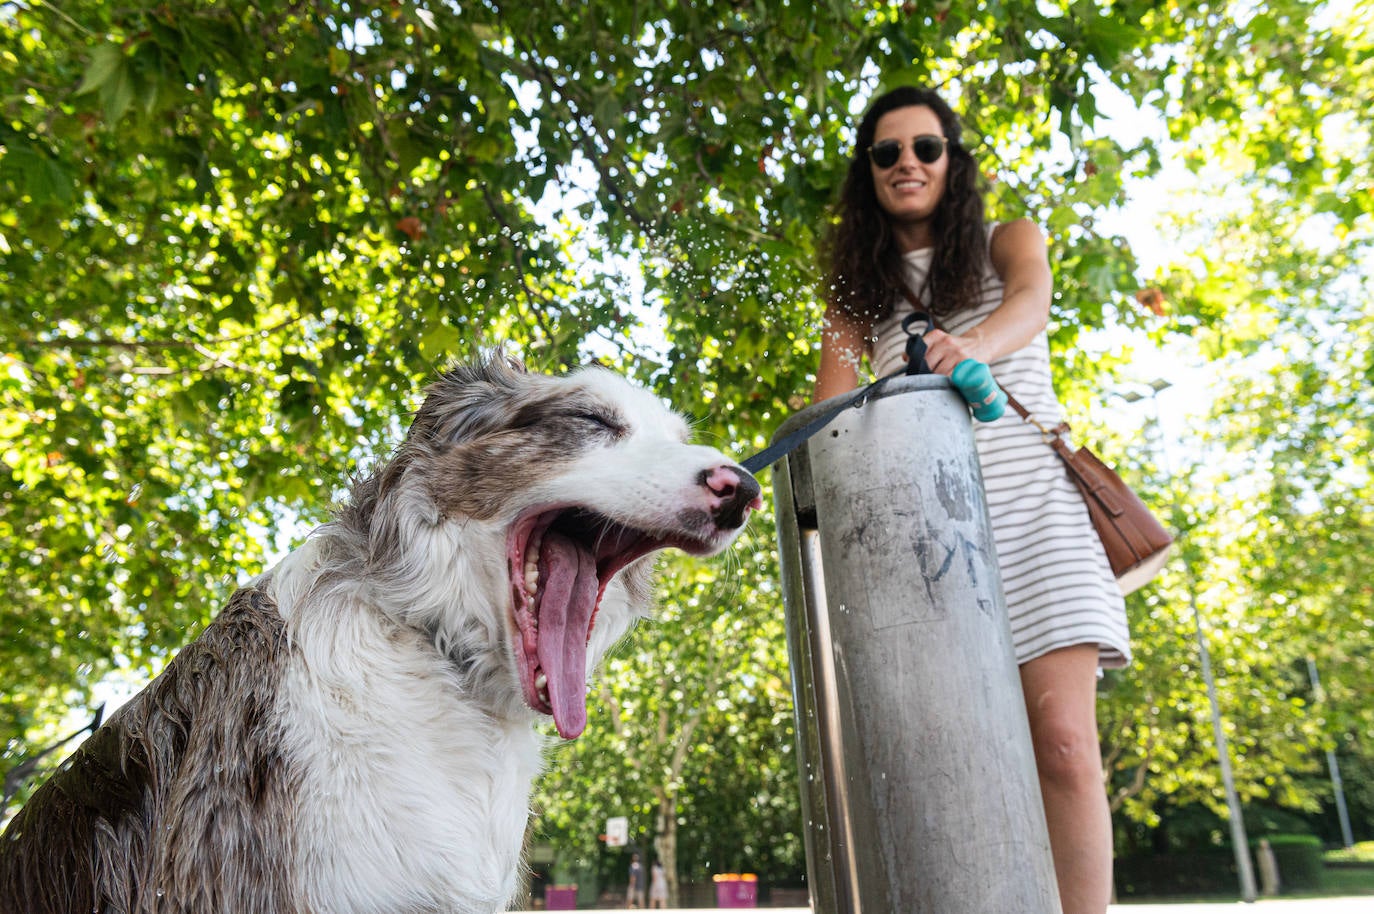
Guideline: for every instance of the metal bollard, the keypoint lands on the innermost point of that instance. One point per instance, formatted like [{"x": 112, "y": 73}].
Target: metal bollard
[{"x": 918, "y": 776}]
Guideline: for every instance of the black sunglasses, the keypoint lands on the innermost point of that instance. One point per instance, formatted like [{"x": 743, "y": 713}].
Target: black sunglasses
[{"x": 928, "y": 148}]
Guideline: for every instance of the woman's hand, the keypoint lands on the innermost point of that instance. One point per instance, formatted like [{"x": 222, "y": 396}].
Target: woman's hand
[{"x": 944, "y": 350}]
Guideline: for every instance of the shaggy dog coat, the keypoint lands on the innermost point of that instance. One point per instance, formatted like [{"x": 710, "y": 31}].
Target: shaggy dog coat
[{"x": 355, "y": 730}]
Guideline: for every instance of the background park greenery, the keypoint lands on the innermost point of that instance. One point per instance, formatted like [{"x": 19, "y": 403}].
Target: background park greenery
[{"x": 236, "y": 240}]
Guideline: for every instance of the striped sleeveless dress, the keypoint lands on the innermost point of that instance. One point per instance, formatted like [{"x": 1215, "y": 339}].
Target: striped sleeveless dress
[{"x": 1060, "y": 590}]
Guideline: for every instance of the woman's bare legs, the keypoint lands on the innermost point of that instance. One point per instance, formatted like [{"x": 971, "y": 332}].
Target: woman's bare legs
[{"x": 1061, "y": 702}]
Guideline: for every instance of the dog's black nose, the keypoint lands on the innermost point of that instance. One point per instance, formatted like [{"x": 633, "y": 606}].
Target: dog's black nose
[{"x": 733, "y": 493}]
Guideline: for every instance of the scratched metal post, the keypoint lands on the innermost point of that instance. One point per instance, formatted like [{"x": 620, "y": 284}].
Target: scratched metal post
[{"x": 917, "y": 772}]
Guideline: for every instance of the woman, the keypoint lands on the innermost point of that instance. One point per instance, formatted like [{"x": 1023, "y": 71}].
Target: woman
[
  {"x": 911, "y": 213},
  {"x": 658, "y": 886}
]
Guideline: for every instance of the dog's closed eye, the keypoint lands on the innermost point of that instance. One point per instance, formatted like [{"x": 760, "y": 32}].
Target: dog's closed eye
[{"x": 603, "y": 423}]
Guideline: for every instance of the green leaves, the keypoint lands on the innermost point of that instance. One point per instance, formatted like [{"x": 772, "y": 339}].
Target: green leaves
[
  {"x": 109, "y": 74},
  {"x": 236, "y": 240}
]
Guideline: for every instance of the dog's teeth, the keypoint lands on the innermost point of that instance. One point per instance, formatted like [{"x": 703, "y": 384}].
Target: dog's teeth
[
  {"x": 532, "y": 564},
  {"x": 541, "y": 682}
]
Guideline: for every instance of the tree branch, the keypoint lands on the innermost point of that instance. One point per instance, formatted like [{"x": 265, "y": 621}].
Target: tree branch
[
  {"x": 585, "y": 133},
  {"x": 109, "y": 342},
  {"x": 1137, "y": 783}
]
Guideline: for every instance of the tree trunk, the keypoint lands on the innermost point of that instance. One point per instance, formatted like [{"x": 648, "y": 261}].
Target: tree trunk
[{"x": 665, "y": 842}]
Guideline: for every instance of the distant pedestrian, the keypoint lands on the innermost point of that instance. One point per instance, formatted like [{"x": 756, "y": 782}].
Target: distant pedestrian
[
  {"x": 634, "y": 892},
  {"x": 658, "y": 886}
]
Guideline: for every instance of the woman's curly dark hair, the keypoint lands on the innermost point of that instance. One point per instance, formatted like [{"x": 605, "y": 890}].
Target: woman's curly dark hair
[{"x": 865, "y": 264}]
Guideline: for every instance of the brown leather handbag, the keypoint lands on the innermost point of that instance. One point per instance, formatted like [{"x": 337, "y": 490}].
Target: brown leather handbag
[{"x": 1136, "y": 543}]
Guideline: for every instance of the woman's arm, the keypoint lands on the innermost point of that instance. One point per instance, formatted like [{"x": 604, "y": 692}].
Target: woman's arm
[
  {"x": 1020, "y": 259},
  {"x": 844, "y": 340}
]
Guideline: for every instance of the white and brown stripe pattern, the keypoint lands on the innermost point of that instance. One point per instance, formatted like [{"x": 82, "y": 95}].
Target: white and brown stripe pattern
[{"x": 1059, "y": 588}]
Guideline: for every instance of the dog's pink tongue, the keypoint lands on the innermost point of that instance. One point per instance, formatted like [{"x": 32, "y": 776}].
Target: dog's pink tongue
[{"x": 568, "y": 585}]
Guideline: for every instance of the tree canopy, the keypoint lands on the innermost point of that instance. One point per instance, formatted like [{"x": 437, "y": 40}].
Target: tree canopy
[{"x": 236, "y": 240}]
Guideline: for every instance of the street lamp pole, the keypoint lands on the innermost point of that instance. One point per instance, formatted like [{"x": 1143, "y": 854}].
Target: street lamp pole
[
  {"x": 1238, "y": 838},
  {"x": 1239, "y": 841},
  {"x": 1347, "y": 838}
]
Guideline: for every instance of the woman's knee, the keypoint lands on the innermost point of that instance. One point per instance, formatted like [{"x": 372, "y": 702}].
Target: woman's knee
[
  {"x": 1068, "y": 757},
  {"x": 1060, "y": 690}
]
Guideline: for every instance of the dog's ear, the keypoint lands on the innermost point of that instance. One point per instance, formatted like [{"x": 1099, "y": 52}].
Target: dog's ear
[{"x": 468, "y": 395}]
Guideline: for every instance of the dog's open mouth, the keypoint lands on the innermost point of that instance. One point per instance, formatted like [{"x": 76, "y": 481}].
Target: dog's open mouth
[{"x": 561, "y": 560}]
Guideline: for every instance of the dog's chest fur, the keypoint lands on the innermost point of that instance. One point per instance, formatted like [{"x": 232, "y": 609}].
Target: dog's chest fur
[{"x": 405, "y": 781}]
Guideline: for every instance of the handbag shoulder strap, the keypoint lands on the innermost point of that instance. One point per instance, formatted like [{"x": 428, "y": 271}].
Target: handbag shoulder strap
[{"x": 1052, "y": 434}]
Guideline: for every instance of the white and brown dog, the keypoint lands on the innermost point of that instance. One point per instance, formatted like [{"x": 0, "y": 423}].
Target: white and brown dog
[{"x": 355, "y": 732}]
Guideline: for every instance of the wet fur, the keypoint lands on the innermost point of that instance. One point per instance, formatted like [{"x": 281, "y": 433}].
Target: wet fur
[
  {"x": 188, "y": 771},
  {"x": 346, "y": 736}
]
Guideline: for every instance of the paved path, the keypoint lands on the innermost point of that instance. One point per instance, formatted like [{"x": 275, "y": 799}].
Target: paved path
[{"x": 1353, "y": 905}]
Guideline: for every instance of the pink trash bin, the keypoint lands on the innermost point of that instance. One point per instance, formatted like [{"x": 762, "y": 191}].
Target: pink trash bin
[
  {"x": 560, "y": 898},
  {"x": 737, "y": 890}
]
